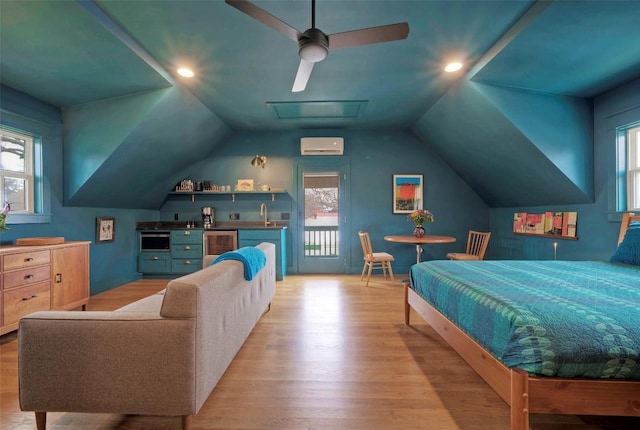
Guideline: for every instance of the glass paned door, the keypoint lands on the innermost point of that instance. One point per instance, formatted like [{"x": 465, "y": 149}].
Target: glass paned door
[{"x": 321, "y": 192}]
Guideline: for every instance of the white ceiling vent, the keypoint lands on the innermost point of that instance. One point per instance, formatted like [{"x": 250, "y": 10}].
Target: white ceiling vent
[{"x": 322, "y": 145}]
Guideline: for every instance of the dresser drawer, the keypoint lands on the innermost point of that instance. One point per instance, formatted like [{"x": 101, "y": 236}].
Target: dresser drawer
[
  {"x": 23, "y": 301},
  {"x": 19, "y": 278},
  {"x": 25, "y": 259}
]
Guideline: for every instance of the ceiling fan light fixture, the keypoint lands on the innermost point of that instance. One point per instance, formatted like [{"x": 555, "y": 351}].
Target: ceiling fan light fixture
[{"x": 313, "y": 45}]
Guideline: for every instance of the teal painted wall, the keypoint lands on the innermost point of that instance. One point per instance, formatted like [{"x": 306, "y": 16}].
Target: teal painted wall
[
  {"x": 112, "y": 264},
  {"x": 126, "y": 152},
  {"x": 598, "y": 223},
  {"x": 373, "y": 158},
  {"x": 506, "y": 157}
]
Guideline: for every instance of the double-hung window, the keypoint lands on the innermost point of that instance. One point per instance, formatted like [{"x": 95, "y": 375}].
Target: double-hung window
[
  {"x": 629, "y": 138},
  {"x": 16, "y": 171}
]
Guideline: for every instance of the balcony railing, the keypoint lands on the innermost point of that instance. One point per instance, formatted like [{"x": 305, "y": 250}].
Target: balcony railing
[{"x": 321, "y": 241}]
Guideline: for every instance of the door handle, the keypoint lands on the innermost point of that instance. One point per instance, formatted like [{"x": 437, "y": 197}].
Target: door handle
[{"x": 58, "y": 278}]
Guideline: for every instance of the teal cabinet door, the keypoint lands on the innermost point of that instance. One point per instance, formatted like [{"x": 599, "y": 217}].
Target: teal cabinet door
[
  {"x": 275, "y": 236},
  {"x": 154, "y": 262}
]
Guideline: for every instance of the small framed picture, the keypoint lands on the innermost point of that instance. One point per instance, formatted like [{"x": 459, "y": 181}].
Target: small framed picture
[
  {"x": 245, "y": 185},
  {"x": 105, "y": 229},
  {"x": 408, "y": 192}
]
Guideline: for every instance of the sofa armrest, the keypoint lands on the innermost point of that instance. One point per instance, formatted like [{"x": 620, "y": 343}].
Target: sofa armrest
[{"x": 115, "y": 362}]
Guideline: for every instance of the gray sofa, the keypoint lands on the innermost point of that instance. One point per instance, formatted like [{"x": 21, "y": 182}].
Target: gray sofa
[{"x": 162, "y": 355}]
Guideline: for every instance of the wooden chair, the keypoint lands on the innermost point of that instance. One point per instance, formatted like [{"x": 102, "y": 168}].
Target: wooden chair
[
  {"x": 476, "y": 247},
  {"x": 374, "y": 260}
]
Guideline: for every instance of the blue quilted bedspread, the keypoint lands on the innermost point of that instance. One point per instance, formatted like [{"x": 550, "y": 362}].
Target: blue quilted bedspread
[{"x": 549, "y": 318}]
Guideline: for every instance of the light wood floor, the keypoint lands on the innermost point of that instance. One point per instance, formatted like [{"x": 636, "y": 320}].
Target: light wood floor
[{"x": 331, "y": 354}]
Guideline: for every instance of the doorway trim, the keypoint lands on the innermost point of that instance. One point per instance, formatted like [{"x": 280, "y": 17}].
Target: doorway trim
[{"x": 319, "y": 164}]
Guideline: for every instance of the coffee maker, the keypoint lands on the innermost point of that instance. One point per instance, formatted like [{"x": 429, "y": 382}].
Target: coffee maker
[{"x": 208, "y": 218}]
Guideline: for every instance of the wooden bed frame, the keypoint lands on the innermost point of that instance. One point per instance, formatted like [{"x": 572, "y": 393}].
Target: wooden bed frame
[{"x": 527, "y": 394}]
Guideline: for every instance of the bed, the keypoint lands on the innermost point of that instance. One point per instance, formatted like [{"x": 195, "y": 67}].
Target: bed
[{"x": 542, "y": 334}]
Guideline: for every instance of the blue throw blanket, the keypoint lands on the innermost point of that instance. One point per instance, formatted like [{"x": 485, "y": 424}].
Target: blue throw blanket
[{"x": 253, "y": 259}]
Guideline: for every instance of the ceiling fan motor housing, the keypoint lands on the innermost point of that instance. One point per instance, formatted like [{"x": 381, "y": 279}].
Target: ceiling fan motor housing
[{"x": 313, "y": 45}]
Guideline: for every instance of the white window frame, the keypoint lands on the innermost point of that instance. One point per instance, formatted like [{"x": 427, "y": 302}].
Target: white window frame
[
  {"x": 27, "y": 175},
  {"x": 631, "y": 136}
]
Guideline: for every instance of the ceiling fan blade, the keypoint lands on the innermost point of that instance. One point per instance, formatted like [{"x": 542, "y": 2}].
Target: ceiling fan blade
[
  {"x": 265, "y": 18},
  {"x": 302, "y": 77},
  {"x": 366, "y": 36}
]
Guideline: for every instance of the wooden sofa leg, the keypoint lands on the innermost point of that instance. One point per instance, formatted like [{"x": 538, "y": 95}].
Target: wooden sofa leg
[
  {"x": 41, "y": 420},
  {"x": 186, "y": 422}
]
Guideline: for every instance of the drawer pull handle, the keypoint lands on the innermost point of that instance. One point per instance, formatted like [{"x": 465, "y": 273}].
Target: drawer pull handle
[
  {"x": 28, "y": 276},
  {"x": 24, "y": 299},
  {"x": 28, "y": 259},
  {"x": 187, "y": 248},
  {"x": 187, "y": 233},
  {"x": 155, "y": 258},
  {"x": 187, "y": 262},
  {"x": 58, "y": 278}
]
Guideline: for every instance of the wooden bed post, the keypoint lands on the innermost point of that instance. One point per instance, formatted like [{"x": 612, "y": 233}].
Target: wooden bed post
[{"x": 519, "y": 400}]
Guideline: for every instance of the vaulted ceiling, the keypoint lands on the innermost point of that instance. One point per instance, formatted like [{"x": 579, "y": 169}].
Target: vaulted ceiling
[{"x": 553, "y": 57}]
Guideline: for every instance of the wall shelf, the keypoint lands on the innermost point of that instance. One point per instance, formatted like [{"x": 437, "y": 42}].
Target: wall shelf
[{"x": 233, "y": 194}]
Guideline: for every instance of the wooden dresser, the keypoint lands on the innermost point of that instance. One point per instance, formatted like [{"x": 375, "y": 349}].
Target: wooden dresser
[{"x": 41, "y": 278}]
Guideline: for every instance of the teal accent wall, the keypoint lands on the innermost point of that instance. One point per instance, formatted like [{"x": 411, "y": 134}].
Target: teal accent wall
[
  {"x": 560, "y": 127},
  {"x": 127, "y": 152},
  {"x": 112, "y": 264},
  {"x": 514, "y": 147},
  {"x": 451, "y": 193},
  {"x": 373, "y": 158},
  {"x": 598, "y": 222}
]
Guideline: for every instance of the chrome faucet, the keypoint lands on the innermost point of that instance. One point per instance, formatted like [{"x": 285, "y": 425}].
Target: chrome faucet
[{"x": 263, "y": 212}]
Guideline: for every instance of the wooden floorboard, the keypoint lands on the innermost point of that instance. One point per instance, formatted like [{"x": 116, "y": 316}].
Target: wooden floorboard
[{"x": 331, "y": 354}]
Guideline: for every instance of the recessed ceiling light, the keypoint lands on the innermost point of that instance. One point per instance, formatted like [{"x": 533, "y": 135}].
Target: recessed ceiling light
[
  {"x": 187, "y": 73},
  {"x": 453, "y": 67}
]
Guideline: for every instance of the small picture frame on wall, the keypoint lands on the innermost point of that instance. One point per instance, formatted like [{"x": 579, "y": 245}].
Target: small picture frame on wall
[
  {"x": 408, "y": 193},
  {"x": 105, "y": 229}
]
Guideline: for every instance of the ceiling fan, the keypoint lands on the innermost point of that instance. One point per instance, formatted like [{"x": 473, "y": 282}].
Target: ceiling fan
[{"x": 313, "y": 44}]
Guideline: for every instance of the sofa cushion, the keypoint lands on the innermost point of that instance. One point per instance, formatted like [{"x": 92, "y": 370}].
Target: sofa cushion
[
  {"x": 182, "y": 294},
  {"x": 149, "y": 304}
]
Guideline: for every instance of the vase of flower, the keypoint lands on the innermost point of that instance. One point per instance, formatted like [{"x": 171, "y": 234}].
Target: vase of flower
[{"x": 418, "y": 218}]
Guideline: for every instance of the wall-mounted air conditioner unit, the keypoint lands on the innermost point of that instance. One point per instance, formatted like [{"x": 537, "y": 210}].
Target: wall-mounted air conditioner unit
[{"x": 322, "y": 145}]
